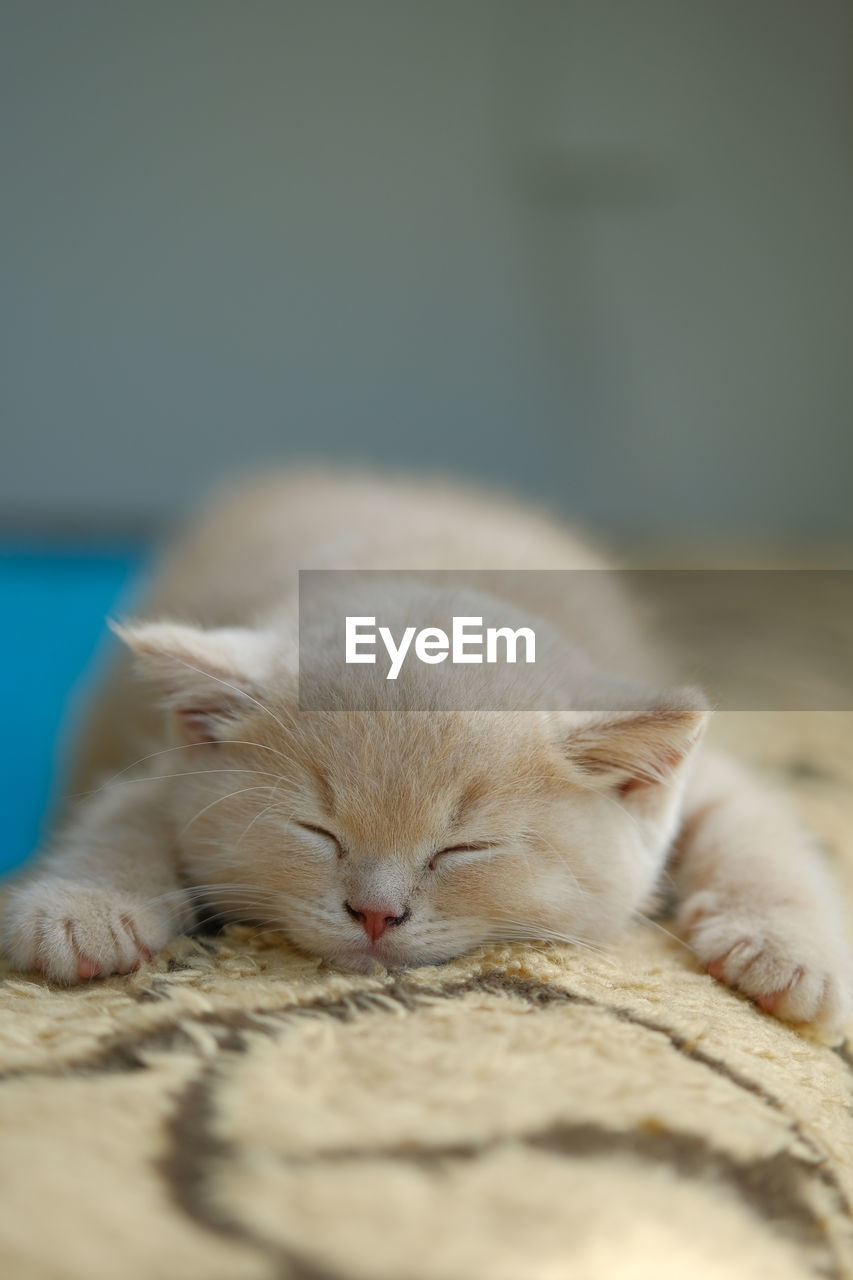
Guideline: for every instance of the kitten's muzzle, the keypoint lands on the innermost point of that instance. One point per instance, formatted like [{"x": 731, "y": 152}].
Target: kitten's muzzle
[{"x": 374, "y": 921}]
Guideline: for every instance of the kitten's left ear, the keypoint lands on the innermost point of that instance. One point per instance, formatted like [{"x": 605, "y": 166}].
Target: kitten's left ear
[
  {"x": 635, "y": 750},
  {"x": 209, "y": 678}
]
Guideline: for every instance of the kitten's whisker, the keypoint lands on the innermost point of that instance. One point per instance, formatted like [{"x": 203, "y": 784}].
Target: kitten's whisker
[
  {"x": 525, "y": 930},
  {"x": 260, "y": 814},
  {"x": 199, "y": 891},
  {"x": 199, "y": 773},
  {"x": 184, "y": 746},
  {"x": 234, "y": 689},
  {"x": 583, "y": 891},
  {"x": 622, "y": 809},
  {"x": 220, "y": 800},
  {"x": 247, "y": 913},
  {"x": 645, "y": 919},
  {"x": 241, "y": 887}
]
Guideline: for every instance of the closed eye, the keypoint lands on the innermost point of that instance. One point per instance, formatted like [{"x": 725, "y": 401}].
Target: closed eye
[
  {"x": 459, "y": 848},
  {"x": 321, "y": 831}
]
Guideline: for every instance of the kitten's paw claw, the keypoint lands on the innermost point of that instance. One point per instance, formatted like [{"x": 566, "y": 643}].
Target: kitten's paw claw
[
  {"x": 73, "y": 932},
  {"x": 786, "y": 962}
]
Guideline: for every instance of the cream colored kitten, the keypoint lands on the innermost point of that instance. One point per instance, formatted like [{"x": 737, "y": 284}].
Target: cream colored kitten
[{"x": 397, "y": 834}]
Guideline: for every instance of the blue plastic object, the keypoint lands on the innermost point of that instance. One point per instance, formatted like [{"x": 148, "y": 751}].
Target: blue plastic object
[{"x": 53, "y": 602}]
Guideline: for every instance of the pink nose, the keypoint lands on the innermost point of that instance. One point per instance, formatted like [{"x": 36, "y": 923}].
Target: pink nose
[{"x": 374, "y": 923}]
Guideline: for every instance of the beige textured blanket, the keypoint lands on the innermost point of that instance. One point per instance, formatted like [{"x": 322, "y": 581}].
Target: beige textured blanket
[{"x": 525, "y": 1113}]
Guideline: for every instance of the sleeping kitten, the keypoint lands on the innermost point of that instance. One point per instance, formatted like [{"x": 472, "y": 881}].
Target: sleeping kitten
[{"x": 398, "y": 835}]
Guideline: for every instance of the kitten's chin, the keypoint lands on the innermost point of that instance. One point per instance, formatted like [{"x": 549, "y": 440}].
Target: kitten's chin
[
  {"x": 379, "y": 959},
  {"x": 358, "y": 962}
]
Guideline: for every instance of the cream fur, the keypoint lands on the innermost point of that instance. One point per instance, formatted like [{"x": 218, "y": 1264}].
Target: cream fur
[{"x": 461, "y": 828}]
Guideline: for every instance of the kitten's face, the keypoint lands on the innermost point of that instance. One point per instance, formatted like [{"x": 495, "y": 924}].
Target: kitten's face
[{"x": 409, "y": 838}]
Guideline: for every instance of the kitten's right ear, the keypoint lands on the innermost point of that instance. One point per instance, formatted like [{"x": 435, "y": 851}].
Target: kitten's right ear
[
  {"x": 209, "y": 678},
  {"x": 634, "y": 751}
]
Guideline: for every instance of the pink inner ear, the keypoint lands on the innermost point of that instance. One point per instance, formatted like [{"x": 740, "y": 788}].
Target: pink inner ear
[
  {"x": 195, "y": 723},
  {"x": 666, "y": 761}
]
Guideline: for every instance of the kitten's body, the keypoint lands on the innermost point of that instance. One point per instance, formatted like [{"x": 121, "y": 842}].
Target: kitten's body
[{"x": 402, "y": 836}]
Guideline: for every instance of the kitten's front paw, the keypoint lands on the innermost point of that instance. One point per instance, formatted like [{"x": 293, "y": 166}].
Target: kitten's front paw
[
  {"x": 74, "y": 931},
  {"x": 791, "y": 964}
]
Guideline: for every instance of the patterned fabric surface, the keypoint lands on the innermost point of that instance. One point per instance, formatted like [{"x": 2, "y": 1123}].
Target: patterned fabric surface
[{"x": 236, "y": 1110}]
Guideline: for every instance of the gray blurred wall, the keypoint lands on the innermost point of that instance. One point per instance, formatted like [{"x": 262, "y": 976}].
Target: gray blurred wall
[{"x": 600, "y": 251}]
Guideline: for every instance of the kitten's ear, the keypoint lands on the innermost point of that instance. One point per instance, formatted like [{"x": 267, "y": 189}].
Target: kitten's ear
[
  {"x": 209, "y": 678},
  {"x": 634, "y": 750}
]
